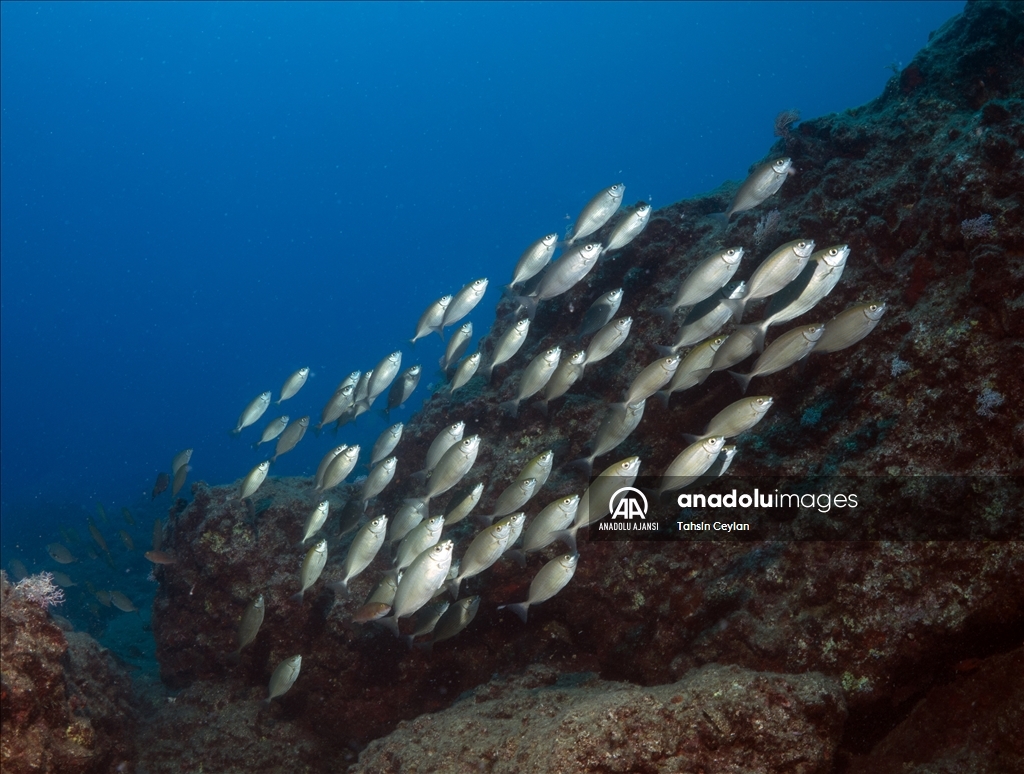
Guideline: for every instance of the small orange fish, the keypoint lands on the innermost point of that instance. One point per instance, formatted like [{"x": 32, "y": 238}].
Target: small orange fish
[
  {"x": 371, "y": 612},
  {"x": 160, "y": 557},
  {"x": 162, "y": 482}
]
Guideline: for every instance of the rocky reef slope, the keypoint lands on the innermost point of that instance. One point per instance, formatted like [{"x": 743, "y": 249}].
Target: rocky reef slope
[{"x": 924, "y": 186}]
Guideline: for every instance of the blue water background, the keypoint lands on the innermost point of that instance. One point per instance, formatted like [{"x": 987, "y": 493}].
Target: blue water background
[{"x": 199, "y": 198}]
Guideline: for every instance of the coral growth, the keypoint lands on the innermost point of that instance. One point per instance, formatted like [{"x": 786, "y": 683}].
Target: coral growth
[{"x": 64, "y": 705}]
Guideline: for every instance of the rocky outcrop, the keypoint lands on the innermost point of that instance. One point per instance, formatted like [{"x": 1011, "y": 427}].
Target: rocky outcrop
[{"x": 923, "y": 414}]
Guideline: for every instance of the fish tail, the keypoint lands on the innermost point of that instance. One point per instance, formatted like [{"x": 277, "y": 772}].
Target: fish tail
[
  {"x": 484, "y": 520},
  {"x": 339, "y": 587},
  {"x": 529, "y": 303},
  {"x": 761, "y": 329},
  {"x": 720, "y": 217},
  {"x": 453, "y": 587},
  {"x": 542, "y": 406},
  {"x": 736, "y": 306},
  {"x": 743, "y": 380},
  {"x": 663, "y": 396},
  {"x": 298, "y": 597},
  {"x": 584, "y": 464},
  {"x": 567, "y": 536},
  {"x": 519, "y": 608},
  {"x": 689, "y": 438},
  {"x": 510, "y": 407},
  {"x": 517, "y": 555},
  {"x": 664, "y": 312},
  {"x": 665, "y": 351},
  {"x": 391, "y": 624}
]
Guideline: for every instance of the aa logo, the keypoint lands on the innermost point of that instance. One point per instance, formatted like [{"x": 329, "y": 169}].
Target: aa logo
[{"x": 628, "y": 503}]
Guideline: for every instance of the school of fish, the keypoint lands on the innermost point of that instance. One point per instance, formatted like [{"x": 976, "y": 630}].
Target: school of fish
[{"x": 431, "y": 561}]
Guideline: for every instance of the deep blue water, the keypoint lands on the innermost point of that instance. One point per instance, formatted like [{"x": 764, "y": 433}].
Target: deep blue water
[{"x": 199, "y": 198}]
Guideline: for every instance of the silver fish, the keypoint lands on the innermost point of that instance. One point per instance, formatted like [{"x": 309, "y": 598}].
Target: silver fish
[
  {"x": 316, "y": 520},
  {"x": 652, "y": 378},
  {"x": 60, "y": 554},
  {"x": 849, "y": 326},
  {"x": 565, "y": 376},
  {"x": 325, "y": 463},
  {"x": 181, "y": 459},
  {"x": 514, "y": 497},
  {"x": 342, "y": 401},
  {"x": 789, "y": 348},
  {"x": 384, "y": 591},
  {"x": 453, "y": 467},
  {"x": 467, "y": 370},
  {"x": 619, "y": 421},
  {"x": 737, "y": 417},
  {"x": 710, "y": 276},
  {"x": 382, "y": 376},
  {"x": 552, "y": 578},
  {"x": 515, "y": 522},
  {"x": 464, "y": 302},
  {"x": 404, "y": 387},
  {"x": 431, "y": 319},
  {"x": 444, "y": 440},
  {"x": 535, "y": 377},
  {"x": 351, "y": 380},
  {"x": 763, "y": 182},
  {"x": 461, "y": 508},
  {"x": 340, "y": 467},
  {"x": 179, "y": 479},
  {"x": 600, "y": 312},
  {"x": 691, "y": 463},
  {"x": 409, "y": 515},
  {"x": 456, "y": 618},
  {"x": 379, "y": 478},
  {"x": 362, "y": 552},
  {"x": 253, "y": 480},
  {"x": 290, "y": 437},
  {"x": 694, "y": 368},
  {"x": 312, "y": 566},
  {"x": 593, "y": 504},
  {"x": 486, "y": 548},
  {"x": 567, "y": 271},
  {"x": 723, "y": 462},
  {"x": 293, "y": 384},
  {"x": 253, "y": 411},
  {"x": 457, "y": 346},
  {"x": 420, "y": 582},
  {"x": 252, "y": 620},
  {"x": 817, "y": 280},
  {"x": 420, "y": 538},
  {"x": 538, "y": 468},
  {"x": 775, "y": 272},
  {"x": 427, "y": 618},
  {"x": 534, "y": 259},
  {"x": 122, "y": 602},
  {"x": 272, "y": 430},
  {"x": 737, "y": 347},
  {"x": 608, "y": 339},
  {"x": 629, "y": 227},
  {"x": 386, "y": 443},
  {"x": 555, "y": 517},
  {"x": 598, "y": 211},
  {"x": 706, "y": 318},
  {"x": 510, "y": 342},
  {"x": 284, "y": 678}
]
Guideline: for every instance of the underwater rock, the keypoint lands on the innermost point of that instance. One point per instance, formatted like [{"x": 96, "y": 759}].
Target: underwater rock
[
  {"x": 64, "y": 705},
  {"x": 933, "y": 391},
  {"x": 717, "y": 718},
  {"x": 967, "y": 725}
]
